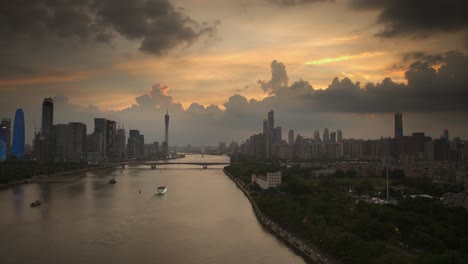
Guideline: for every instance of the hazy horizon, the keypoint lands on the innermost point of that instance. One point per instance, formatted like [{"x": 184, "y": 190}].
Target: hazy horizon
[{"x": 220, "y": 66}]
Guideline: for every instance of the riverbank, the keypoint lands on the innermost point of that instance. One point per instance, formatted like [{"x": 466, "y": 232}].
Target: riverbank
[
  {"x": 308, "y": 251},
  {"x": 59, "y": 176}
]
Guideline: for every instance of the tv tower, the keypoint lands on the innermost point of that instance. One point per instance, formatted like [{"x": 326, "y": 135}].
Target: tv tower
[{"x": 166, "y": 137}]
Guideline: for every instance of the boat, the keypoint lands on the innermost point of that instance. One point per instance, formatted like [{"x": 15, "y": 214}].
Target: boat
[
  {"x": 112, "y": 181},
  {"x": 161, "y": 190},
  {"x": 36, "y": 203}
]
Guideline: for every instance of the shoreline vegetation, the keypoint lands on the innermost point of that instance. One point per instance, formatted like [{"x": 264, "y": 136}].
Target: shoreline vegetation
[
  {"x": 305, "y": 249},
  {"x": 337, "y": 213}
]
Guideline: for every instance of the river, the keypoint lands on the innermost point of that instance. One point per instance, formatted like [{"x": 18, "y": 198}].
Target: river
[{"x": 203, "y": 218}]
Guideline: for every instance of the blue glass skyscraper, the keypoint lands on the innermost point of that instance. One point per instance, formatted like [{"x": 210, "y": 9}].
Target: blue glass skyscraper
[
  {"x": 3, "y": 142},
  {"x": 18, "y": 135},
  {"x": 2, "y": 150}
]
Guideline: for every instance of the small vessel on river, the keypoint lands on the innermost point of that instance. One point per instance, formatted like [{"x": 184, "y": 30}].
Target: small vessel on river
[
  {"x": 112, "y": 181},
  {"x": 161, "y": 190},
  {"x": 36, "y": 203}
]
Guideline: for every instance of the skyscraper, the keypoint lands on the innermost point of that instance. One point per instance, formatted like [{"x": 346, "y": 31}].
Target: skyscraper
[
  {"x": 100, "y": 126},
  {"x": 76, "y": 141},
  {"x": 133, "y": 145},
  {"x": 446, "y": 134},
  {"x": 277, "y": 135},
  {"x": 291, "y": 137},
  {"x": 2, "y": 149},
  {"x": 271, "y": 122},
  {"x": 266, "y": 140},
  {"x": 121, "y": 137},
  {"x": 339, "y": 135},
  {"x": 271, "y": 127},
  {"x": 333, "y": 137},
  {"x": 5, "y": 133},
  {"x": 18, "y": 135},
  {"x": 47, "y": 115},
  {"x": 166, "y": 134},
  {"x": 317, "y": 135},
  {"x": 326, "y": 135},
  {"x": 398, "y": 125}
]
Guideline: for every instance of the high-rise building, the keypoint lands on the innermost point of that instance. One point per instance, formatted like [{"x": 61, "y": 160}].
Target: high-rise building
[
  {"x": 317, "y": 135},
  {"x": 133, "y": 145},
  {"x": 100, "y": 126},
  {"x": 339, "y": 136},
  {"x": 18, "y": 135},
  {"x": 333, "y": 137},
  {"x": 277, "y": 135},
  {"x": 271, "y": 120},
  {"x": 271, "y": 127},
  {"x": 166, "y": 132},
  {"x": 121, "y": 139},
  {"x": 445, "y": 135},
  {"x": 108, "y": 130},
  {"x": 398, "y": 125},
  {"x": 266, "y": 138},
  {"x": 41, "y": 146},
  {"x": 111, "y": 139},
  {"x": 5, "y": 133},
  {"x": 47, "y": 115},
  {"x": 76, "y": 142},
  {"x": 61, "y": 133},
  {"x": 326, "y": 136},
  {"x": 142, "y": 146},
  {"x": 291, "y": 137}
]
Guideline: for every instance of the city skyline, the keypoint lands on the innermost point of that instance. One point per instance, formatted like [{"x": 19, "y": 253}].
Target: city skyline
[{"x": 221, "y": 64}]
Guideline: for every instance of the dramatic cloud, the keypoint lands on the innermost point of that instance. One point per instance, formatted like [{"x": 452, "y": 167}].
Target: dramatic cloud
[
  {"x": 436, "y": 90},
  {"x": 417, "y": 17},
  {"x": 156, "y": 23},
  {"x": 435, "y": 83},
  {"x": 279, "y": 78},
  {"x": 155, "y": 97},
  {"x": 296, "y": 2}
]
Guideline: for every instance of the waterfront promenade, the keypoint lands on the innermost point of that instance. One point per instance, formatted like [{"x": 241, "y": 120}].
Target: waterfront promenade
[{"x": 308, "y": 251}]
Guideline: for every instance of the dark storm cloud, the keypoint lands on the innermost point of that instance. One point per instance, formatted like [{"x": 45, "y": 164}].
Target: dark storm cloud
[
  {"x": 279, "y": 78},
  {"x": 428, "y": 89},
  {"x": 417, "y": 17},
  {"x": 296, "y": 2},
  {"x": 156, "y": 23}
]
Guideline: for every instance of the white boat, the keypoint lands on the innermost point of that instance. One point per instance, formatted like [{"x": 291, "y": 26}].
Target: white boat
[{"x": 161, "y": 190}]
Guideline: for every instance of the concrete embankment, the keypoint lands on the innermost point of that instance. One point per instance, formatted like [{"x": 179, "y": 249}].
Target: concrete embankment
[{"x": 308, "y": 251}]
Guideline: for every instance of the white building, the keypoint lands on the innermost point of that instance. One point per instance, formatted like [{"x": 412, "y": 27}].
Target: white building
[{"x": 272, "y": 179}]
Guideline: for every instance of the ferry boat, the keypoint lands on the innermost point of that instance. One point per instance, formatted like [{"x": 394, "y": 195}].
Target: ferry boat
[
  {"x": 112, "y": 181},
  {"x": 36, "y": 203},
  {"x": 161, "y": 190}
]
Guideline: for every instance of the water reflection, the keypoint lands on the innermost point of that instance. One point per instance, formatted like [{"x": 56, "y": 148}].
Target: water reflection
[{"x": 203, "y": 218}]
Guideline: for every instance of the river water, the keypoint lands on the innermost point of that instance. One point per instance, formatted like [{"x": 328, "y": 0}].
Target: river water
[{"x": 203, "y": 218}]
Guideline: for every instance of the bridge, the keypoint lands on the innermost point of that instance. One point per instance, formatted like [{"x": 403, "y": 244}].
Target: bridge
[{"x": 204, "y": 165}]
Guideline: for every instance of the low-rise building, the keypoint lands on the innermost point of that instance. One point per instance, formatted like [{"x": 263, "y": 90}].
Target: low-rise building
[{"x": 272, "y": 179}]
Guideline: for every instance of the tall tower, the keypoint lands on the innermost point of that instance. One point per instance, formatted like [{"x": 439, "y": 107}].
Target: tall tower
[
  {"x": 47, "y": 115},
  {"x": 291, "y": 137},
  {"x": 339, "y": 135},
  {"x": 166, "y": 123},
  {"x": 266, "y": 138},
  {"x": 271, "y": 127},
  {"x": 326, "y": 136},
  {"x": 317, "y": 135},
  {"x": 445, "y": 135},
  {"x": 5, "y": 133},
  {"x": 398, "y": 125},
  {"x": 18, "y": 135}
]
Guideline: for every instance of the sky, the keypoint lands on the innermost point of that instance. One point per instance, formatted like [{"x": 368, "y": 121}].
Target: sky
[{"x": 219, "y": 66}]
